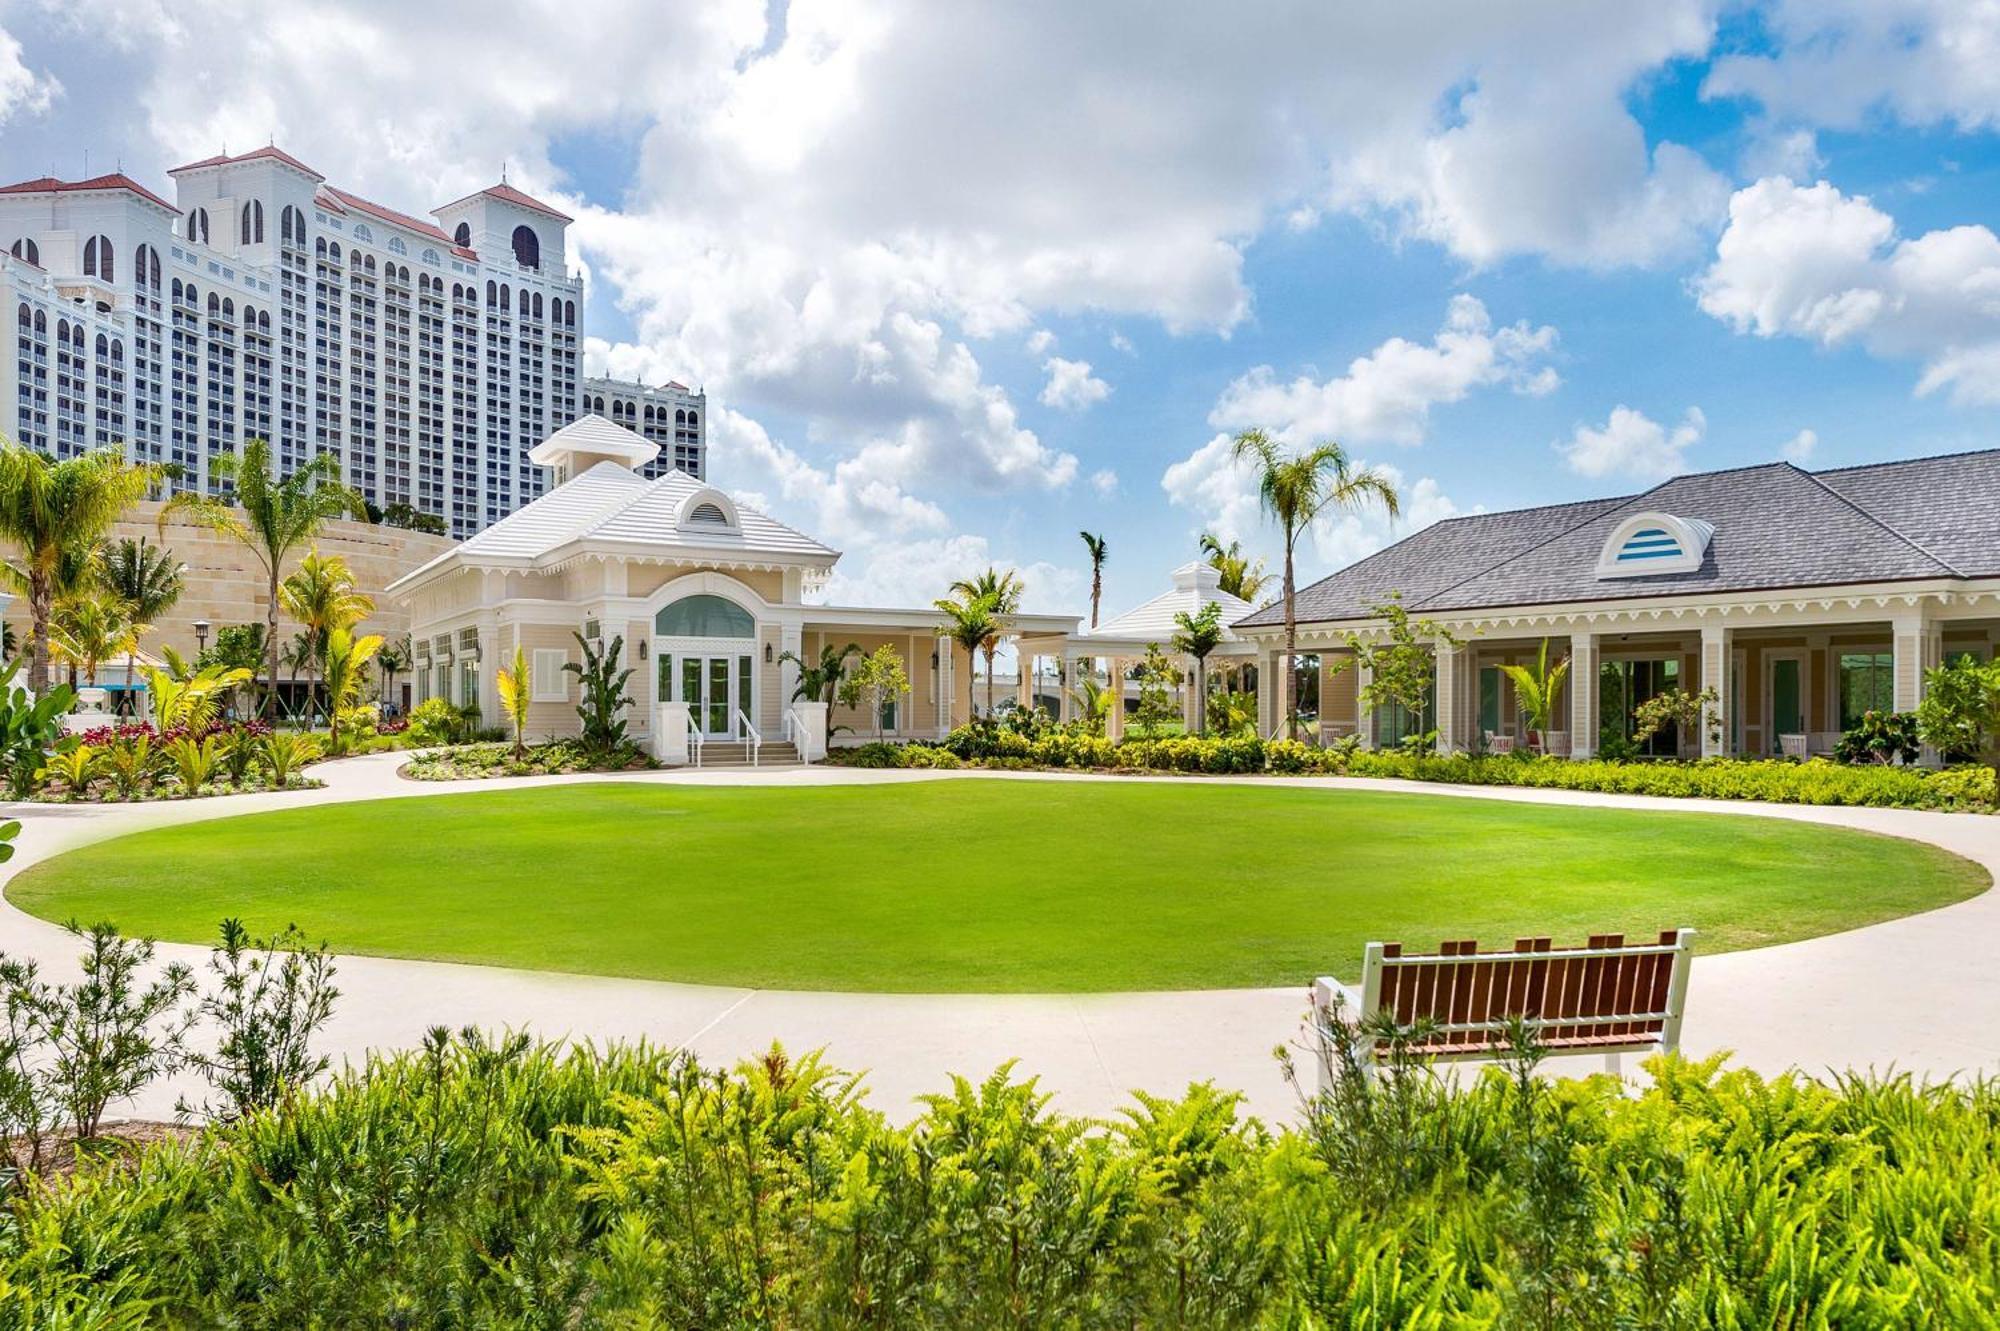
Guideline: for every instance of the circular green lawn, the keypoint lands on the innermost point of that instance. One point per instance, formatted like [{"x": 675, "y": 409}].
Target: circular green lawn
[{"x": 981, "y": 885}]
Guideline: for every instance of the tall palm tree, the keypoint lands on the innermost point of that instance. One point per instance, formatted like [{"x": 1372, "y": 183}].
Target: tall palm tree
[
  {"x": 393, "y": 660},
  {"x": 346, "y": 659},
  {"x": 819, "y": 681},
  {"x": 1241, "y": 577},
  {"x": 148, "y": 579},
  {"x": 1197, "y": 635},
  {"x": 1095, "y": 545},
  {"x": 1001, "y": 593},
  {"x": 55, "y": 513},
  {"x": 971, "y": 623},
  {"x": 1295, "y": 489},
  {"x": 320, "y": 594},
  {"x": 272, "y": 517}
]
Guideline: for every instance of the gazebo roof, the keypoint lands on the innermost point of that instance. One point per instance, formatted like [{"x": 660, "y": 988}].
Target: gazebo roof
[{"x": 1195, "y": 585}]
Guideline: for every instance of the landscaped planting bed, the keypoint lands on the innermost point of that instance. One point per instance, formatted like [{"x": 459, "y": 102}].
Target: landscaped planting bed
[
  {"x": 475, "y": 762},
  {"x": 490, "y": 1184},
  {"x": 982, "y": 884}
]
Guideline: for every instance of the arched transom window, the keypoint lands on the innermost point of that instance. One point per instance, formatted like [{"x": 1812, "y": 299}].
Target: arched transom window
[{"x": 704, "y": 616}]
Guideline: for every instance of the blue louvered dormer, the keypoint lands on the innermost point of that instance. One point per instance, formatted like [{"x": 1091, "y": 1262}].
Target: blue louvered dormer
[{"x": 1651, "y": 544}]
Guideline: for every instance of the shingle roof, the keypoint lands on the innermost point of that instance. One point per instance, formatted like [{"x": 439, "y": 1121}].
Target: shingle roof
[
  {"x": 1776, "y": 526},
  {"x": 271, "y": 151},
  {"x": 508, "y": 194}
]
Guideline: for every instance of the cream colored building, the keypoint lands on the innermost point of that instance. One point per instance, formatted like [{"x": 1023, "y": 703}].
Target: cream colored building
[{"x": 708, "y": 598}]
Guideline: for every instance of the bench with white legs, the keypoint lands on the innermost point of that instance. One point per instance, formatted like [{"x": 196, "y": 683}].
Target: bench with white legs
[{"x": 1607, "y": 997}]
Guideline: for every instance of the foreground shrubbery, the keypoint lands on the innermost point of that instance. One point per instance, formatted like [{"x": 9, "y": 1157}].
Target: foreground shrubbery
[
  {"x": 1814, "y": 782},
  {"x": 476, "y": 1183},
  {"x": 137, "y": 762},
  {"x": 472, "y": 762}
]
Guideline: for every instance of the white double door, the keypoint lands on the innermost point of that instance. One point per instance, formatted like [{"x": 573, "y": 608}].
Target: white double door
[{"x": 716, "y": 686}]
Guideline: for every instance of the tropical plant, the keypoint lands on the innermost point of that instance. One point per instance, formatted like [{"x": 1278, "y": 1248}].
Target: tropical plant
[
  {"x": 1536, "y": 690},
  {"x": 819, "y": 681},
  {"x": 1686, "y": 712},
  {"x": 515, "y": 696},
  {"x": 285, "y": 752},
  {"x": 435, "y": 721},
  {"x": 1296, "y": 490},
  {"x": 30, "y": 727},
  {"x": 1001, "y": 593},
  {"x": 194, "y": 760},
  {"x": 321, "y": 595},
  {"x": 344, "y": 662},
  {"x": 272, "y": 518},
  {"x": 89, "y": 627},
  {"x": 1235, "y": 712},
  {"x": 130, "y": 763},
  {"x": 76, "y": 766},
  {"x": 55, "y": 513},
  {"x": 1196, "y": 636},
  {"x": 1960, "y": 712},
  {"x": 273, "y": 996},
  {"x": 1880, "y": 737},
  {"x": 1093, "y": 703},
  {"x": 971, "y": 623},
  {"x": 1402, "y": 670},
  {"x": 1241, "y": 577},
  {"x": 190, "y": 703},
  {"x": 602, "y": 695},
  {"x": 1155, "y": 711},
  {"x": 393, "y": 660},
  {"x": 1096, "y": 547}
]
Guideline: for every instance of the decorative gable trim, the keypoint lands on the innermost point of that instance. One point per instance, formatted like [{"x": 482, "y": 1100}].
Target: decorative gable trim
[{"x": 1650, "y": 545}]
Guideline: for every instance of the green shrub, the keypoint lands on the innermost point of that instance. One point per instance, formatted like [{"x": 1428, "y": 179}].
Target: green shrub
[
  {"x": 476, "y": 1183},
  {"x": 434, "y": 721}
]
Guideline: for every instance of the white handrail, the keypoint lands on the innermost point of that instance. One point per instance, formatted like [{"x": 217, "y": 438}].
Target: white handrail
[
  {"x": 795, "y": 731},
  {"x": 755, "y": 740},
  {"x": 694, "y": 738}
]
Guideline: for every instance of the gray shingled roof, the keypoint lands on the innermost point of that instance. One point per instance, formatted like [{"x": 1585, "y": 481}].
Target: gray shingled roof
[{"x": 1775, "y": 526}]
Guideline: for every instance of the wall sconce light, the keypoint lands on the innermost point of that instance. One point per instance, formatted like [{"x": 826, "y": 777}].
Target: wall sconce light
[
  {"x": 934, "y": 660},
  {"x": 642, "y": 649},
  {"x": 767, "y": 653}
]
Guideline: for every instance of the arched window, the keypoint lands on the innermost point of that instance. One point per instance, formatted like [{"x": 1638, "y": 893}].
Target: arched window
[
  {"x": 24, "y": 248},
  {"x": 704, "y": 616},
  {"x": 103, "y": 347},
  {"x": 693, "y": 419},
  {"x": 462, "y": 234},
  {"x": 1655, "y": 543},
  {"x": 524, "y": 302},
  {"x": 197, "y": 226},
  {"x": 146, "y": 267},
  {"x": 41, "y": 324},
  {"x": 490, "y": 289},
  {"x": 506, "y": 298},
  {"x": 214, "y": 303},
  {"x": 333, "y": 251},
  {"x": 27, "y": 318},
  {"x": 62, "y": 330},
  {"x": 527, "y": 247},
  {"x": 228, "y": 308},
  {"x": 680, "y": 417},
  {"x": 97, "y": 258},
  {"x": 431, "y": 258},
  {"x": 538, "y": 304},
  {"x": 396, "y": 245},
  {"x": 362, "y": 233}
]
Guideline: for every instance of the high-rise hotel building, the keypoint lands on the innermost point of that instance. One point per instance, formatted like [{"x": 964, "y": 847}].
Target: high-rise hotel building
[{"x": 427, "y": 356}]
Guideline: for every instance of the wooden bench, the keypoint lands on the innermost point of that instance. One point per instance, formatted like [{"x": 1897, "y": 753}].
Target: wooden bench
[{"x": 1607, "y": 997}]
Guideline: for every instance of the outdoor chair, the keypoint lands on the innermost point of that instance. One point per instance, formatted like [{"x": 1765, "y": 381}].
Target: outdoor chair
[
  {"x": 1607, "y": 997},
  {"x": 1499, "y": 743},
  {"x": 1793, "y": 746}
]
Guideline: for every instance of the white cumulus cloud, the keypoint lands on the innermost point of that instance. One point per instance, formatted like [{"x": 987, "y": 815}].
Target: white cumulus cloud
[
  {"x": 1632, "y": 444},
  {"x": 1800, "y": 447},
  {"x": 1071, "y": 386}
]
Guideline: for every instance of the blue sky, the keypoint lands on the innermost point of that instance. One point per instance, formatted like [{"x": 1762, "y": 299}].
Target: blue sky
[{"x": 960, "y": 283}]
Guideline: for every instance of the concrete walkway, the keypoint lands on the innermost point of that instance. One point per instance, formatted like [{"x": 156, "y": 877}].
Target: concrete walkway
[{"x": 1915, "y": 994}]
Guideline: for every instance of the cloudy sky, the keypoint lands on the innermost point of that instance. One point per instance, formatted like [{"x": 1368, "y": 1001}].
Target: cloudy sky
[{"x": 961, "y": 279}]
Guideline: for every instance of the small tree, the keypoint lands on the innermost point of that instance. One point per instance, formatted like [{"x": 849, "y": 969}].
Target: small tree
[
  {"x": 273, "y": 996},
  {"x": 819, "y": 681},
  {"x": 515, "y": 695},
  {"x": 1687, "y": 712},
  {"x": 1402, "y": 670},
  {"x": 1196, "y": 636},
  {"x": 1157, "y": 678},
  {"x": 1960, "y": 713},
  {"x": 603, "y": 695},
  {"x": 880, "y": 678},
  {"x": 346, "y": 659}
]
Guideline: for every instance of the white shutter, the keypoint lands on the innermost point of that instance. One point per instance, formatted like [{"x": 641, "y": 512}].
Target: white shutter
[{"x": 551, "y": 684}]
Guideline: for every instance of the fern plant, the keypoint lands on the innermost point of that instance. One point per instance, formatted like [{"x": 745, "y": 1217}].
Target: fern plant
[
  {"x": 284, "y": 753},
  {"x": 603, "y": 696},
  {"x": 194, "y": 760},
  {"x": 131, "y": 763}
]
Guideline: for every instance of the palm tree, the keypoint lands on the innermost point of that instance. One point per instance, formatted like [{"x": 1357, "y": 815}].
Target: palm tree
[
  {"x": 55, "y": 513},
  {"x": 346, "y": 659},
  {"x": 296, "y": 656},
  {"x": 1093, "y": 703},
  {"x": 1535, "y": 693},
  {"x": 90, "y": 627},
  {"x": 970, "y": 622},
  {"x": 1095, "y": 544},
  {"x": 393, "y": 660},
  {"x": 1296, "y": 489},
  {"x": 1240, "y": 577},
  {"x": 320, "y": 594},
  {"x": 1197, "y": 635},
  {"x": 820, "y": 681},
  {"x": 271, "y": 517},
  {"x": 1001, "y": 593},
  {"x": 147, "y": 578}
]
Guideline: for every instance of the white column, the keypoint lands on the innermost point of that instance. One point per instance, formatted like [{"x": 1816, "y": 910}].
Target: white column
[
  {"x": 1716, "y": 657},
  {"x": 1364, "y": 715},
  {"x": 1582, "y": 687},
  {"x": 1072, "y": 678},
  {"x": 1912, "y": 634},
  {"x": 947, "y": 686},
  {"x": 791, "y": 638},
  {"x": 1114, "y": 720},
  {"x": 1024, "y": 676},
  {"x": 1451, "y": 732}
]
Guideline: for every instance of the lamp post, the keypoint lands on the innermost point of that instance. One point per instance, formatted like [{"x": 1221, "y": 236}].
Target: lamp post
[{"x": 200, "y": 636}]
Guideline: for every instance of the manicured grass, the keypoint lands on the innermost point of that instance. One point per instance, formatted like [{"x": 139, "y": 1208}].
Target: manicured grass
[{"x": 981, "y": 885}]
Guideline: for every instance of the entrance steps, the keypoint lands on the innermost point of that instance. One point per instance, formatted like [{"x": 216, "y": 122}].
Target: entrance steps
[{"x": 734, "y": 756}]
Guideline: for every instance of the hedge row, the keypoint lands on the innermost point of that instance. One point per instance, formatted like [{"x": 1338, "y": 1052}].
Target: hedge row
[
  {"x": 1815, "y": 782},
  {"x": 499, "y": 1185}
]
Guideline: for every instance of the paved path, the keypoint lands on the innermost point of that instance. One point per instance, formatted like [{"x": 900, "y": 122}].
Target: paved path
[{"x": 1915, "y": 994}]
